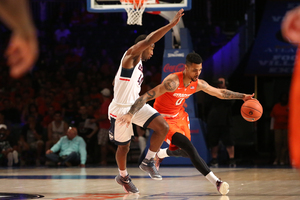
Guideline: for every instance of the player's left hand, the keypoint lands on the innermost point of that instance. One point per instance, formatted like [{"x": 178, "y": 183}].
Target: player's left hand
[
  {"x": 125, "y": 119},
  {"x": 248, "y": 97},
  {"x": 21, "y": 53}
]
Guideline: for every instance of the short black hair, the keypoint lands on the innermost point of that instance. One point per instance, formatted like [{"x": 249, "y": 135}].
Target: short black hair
[
  {"x": 193, "y": 58},
  {"x": 140, "y": 38}
]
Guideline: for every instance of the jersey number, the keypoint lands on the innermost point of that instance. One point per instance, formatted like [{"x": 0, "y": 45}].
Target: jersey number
[
  {"x": 179, "y": 101},
  {"x": 140, "y": 80}
]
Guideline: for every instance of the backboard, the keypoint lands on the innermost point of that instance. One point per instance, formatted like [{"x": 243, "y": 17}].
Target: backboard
[{"x": 106, "y": 6}]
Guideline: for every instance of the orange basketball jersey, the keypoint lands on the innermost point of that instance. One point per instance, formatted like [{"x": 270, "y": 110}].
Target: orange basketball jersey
[{"x": 170, "y": 103}]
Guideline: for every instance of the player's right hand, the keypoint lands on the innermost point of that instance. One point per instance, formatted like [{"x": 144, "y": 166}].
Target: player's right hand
[
  {"x": 177, "y": 17},
  {"x": 125, "y": 119}
]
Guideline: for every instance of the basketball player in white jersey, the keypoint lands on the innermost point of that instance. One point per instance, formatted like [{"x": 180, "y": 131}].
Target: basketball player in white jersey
[{"x": 127, "y": 86}]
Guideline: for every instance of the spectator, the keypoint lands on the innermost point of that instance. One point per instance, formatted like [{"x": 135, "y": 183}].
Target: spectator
[
  {"x": 71, "y": 148},
  {"x": 101, "y": 116},
  {"x": 69, "y": 108},
  {"x": 280, "y": 114},
  {"x": 48, "y": 118},
  {"x": 94, "y": 94},
  {"x": 56, "y": 129},
  {"x": 10, "y": 154},
  {"x": 87, "y": 129},
  {"x": 218, "y": 126},
  {"x": 31, "y": 110},
  {"x": 31, "y": 140}
]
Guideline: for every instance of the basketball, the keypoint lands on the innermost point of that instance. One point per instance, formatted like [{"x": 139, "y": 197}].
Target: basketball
[{"x": 251, "y": 110}]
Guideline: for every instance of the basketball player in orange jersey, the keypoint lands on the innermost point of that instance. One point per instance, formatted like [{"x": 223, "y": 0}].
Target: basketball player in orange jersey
[
  {"x": 170, "y": 96},
  {"x": 22, "y": 50},
  {"x": 290, "y": 29},
  {"x": 127, "y": 86}
]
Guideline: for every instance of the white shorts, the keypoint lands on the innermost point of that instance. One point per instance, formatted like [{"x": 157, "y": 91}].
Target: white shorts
[{"x": 121, "y": 135}]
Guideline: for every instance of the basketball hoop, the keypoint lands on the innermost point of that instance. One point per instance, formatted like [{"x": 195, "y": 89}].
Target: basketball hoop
[{"x": 135, "y": 10}]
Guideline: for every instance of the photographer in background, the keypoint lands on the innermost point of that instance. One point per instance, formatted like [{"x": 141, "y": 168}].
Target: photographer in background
[{"x": 218, "y": 126}]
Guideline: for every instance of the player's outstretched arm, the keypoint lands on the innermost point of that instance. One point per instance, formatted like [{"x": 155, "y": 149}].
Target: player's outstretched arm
[
  {"x": 22, "y": 51},
  {"x": 222, "y": 93},
  {"x": 155, "y": 35},
  {"x": 170, "y": 84}
]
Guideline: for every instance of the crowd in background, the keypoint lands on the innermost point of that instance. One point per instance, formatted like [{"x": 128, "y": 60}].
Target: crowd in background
[{"x": 79, "y": 56}]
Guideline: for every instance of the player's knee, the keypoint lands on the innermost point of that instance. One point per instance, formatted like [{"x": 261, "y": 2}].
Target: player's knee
[
  {"x": 165, "y": 128},
  {"x": 124, "y": 148}
]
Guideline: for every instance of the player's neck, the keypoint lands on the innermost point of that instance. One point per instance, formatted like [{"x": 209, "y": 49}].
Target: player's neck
[{"x": 186, "y": 81}]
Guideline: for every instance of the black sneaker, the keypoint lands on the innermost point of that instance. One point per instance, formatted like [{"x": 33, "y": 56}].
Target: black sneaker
[
  {"x": 232, "y": 162},
  {"x": 127, "y": 184},
  {"x": 214, "y": 163},
  {"x": 148, "y": 166},
  {"x": 222, "y": 187}
]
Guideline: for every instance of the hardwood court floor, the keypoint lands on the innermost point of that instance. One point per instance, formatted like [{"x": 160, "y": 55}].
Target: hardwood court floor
[{"x": 179, "y": 183}]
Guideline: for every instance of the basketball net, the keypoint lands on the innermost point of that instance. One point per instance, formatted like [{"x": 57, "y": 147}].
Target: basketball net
[{"x": 135, "y": 10}]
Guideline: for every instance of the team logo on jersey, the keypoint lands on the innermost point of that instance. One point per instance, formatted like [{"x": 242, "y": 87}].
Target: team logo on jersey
[
  {"x": 192, "y": 87},
  {"x": 180, "y": 95}
]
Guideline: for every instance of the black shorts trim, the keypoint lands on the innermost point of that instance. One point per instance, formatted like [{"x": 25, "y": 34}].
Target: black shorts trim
[{"x": 150, "y": 120}]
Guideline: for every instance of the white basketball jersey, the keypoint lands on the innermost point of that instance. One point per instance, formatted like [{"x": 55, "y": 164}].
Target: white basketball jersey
[{"x": 127, "y": 85}]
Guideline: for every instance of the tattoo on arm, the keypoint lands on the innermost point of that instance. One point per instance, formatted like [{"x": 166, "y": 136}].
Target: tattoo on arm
[
  {"x": 140, "y": 102},
  {"x": 150, "y": 95},
  {"x": 170, "y": 85},
  {"x": 227, "y": 94}
]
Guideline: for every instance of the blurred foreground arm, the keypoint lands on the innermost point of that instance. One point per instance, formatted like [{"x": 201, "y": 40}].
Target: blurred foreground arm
[
  {"x": 22, "y": 50},
  {"x": 290, "y": 26}
]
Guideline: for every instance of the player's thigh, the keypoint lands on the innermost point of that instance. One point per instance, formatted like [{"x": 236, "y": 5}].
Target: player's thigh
[
  {"x": 184, "y": 124},
  {"x": 146, "y": 115}
]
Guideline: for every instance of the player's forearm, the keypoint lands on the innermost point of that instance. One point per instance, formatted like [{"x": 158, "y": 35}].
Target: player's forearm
[
  {"x": 158, "y": 34},
  {"x": 227, "y": 94},
  {"x": 16, "y": 15},
  {"x": 141, "y": 101}
]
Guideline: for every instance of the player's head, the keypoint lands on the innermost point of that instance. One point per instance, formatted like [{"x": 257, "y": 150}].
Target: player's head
[
  {"x": 147, "y": 53},
  {"x": 193, "y": 66}
]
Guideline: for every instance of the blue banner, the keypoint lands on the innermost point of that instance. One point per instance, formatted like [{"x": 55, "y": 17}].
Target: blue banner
[{"x": 271, "y": 54}]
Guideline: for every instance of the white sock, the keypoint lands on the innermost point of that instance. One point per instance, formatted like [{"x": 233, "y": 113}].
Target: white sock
[
  {"x": 15, "y": 156},
  {"x": 212, "y": 178},
  {"x": 123, "y": 173},
  {"x": 162, "y": 153},
  {"x": 150, "y": 154}
]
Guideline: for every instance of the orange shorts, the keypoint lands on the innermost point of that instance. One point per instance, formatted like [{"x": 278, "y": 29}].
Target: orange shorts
[{"x": 180, "y": 124}]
